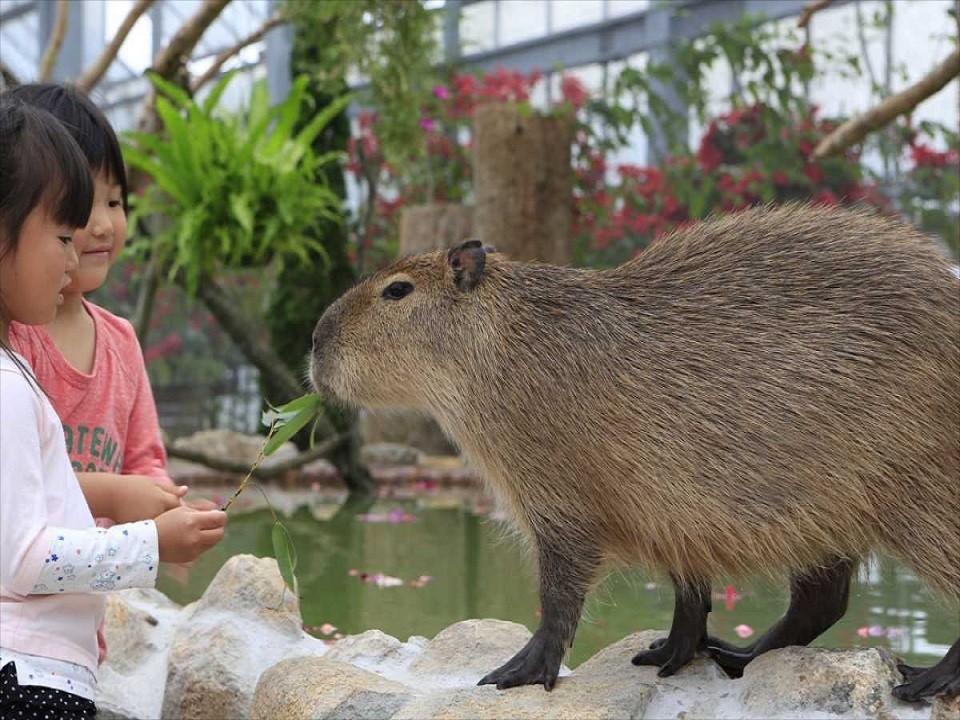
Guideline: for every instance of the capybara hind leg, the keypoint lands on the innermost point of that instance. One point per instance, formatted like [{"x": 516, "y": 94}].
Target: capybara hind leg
[
  {"x": 942, "y": 679},
  {"x": 565, "y": 574},
  {"x": 688, "y": 633},
  {"x": 818, "y": 599}
]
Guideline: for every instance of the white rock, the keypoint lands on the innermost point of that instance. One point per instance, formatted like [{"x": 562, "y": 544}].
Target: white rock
[{"x": 245, "y": 622}]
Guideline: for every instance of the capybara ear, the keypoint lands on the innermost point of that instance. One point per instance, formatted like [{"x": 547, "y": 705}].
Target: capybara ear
[{"x": 467, "y": 260}]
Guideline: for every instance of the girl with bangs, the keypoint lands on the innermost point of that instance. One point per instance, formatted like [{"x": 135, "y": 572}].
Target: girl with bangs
[{"x": 54, "y": 562}]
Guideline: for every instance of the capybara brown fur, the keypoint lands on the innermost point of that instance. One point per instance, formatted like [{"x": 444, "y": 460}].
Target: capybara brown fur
[{"x": 774, "y": 390}]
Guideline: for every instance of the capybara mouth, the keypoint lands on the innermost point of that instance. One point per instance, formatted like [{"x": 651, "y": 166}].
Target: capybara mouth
[{"x": 319, "y": 375}]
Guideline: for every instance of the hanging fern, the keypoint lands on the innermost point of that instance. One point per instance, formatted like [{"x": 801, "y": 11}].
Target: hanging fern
[{"x": 234, "y": 190}]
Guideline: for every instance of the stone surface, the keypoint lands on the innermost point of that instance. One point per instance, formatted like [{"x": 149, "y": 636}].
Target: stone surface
[
  {"x": 245, "y": 622},
  {"x": 946, "y": 708},
  {"x": 387, "y": 454},
  {"x": 405, "y": 427},
  {"x": 466, "y": 651},
  {"x": 240, "y": 652},
  {"x": 138, "y": 626},
  {"x": 231, "y": 446},
  {"x": 808, "y": 680},
  {"x": 315, "y": 687},
  {"x": 573, "y": 697}
]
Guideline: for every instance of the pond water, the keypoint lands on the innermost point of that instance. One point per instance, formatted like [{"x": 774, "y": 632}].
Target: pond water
[{"x": 414, "y": 566}]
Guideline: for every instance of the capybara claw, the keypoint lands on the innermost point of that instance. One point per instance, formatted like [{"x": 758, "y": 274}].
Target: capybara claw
[
  {"x": 534, "y": 665},
  {"x": 668, "y": 656},
  {"x": 941, "y": 679}
]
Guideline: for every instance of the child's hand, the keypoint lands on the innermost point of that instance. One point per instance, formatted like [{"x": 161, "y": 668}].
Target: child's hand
[
  {"x": 184, "y": 532},
  {"x": 164, "y": 482},
  {"x": 138, "y": 497}
]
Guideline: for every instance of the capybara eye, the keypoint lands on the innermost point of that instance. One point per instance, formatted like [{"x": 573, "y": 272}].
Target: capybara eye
[{"x": 397, "y": 290}]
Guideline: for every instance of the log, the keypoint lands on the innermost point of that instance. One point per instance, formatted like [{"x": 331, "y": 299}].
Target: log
[
  {"x": 523, "y": 182},
  {"x": 434, "y": 227}
]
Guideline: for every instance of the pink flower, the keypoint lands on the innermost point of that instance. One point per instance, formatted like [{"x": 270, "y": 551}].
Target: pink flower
[
  {"x": 573, "y": 91},
  {"x": 743, "y": 631},
  {"x": 327, "y": 628},
  {"x": 428, "y": 125},
  {"x": 730, "y": 597},
  {"x": 863, "y": 632},
  {"x": 441, "y": 92}
]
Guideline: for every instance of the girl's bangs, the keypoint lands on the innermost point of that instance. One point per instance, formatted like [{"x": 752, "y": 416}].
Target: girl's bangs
[{"x": 68, "y": 196}]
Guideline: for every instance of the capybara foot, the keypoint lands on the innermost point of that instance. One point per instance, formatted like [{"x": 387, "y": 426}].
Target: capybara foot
[
  {"x": 731, "y": 659},
  {"x": 659, "y": 642},
  {"x": 941, "y": 679},
  {"x": 538, "y": 663},
  {"x": 668, "y": 654},
  {"x": 909, "y": 672}
]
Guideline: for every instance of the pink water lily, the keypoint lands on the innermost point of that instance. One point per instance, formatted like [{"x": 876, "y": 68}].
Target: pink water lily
[{"x": 743, "y": 631}]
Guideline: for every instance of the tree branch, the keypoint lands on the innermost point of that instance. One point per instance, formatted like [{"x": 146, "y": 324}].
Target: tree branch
[
  {"x": 10, "y": 80},
  {"x": 809, "y": 10},
  {"x": 59, "y": 32},
  {"x": 269, "y": 468},
  {"x": 211, "y": 72},
  {"x": 254, "y": 347},
  {"x": 172, "y": 58},
  {"x": 901, "y": 103},
  {"x": 92, "y": 75}
]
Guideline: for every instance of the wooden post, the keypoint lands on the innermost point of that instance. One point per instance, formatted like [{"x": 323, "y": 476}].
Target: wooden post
[
  {"x": 523, "y": 182},
  {"x": 434, "y": 227}
]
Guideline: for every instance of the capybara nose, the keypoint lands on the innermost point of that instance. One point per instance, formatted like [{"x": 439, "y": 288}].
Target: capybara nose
[{"x": 326, "y": 327}]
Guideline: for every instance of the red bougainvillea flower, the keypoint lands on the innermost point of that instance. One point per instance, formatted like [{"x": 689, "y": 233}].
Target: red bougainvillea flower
[
  {"x": 814, "y": 173},
  {"x": 573, "y": 91},
  {"x": 925, "y": 156}
]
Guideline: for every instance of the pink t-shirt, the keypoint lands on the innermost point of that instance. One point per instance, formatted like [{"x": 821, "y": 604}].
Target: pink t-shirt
[{"x": 109, "y": 416}]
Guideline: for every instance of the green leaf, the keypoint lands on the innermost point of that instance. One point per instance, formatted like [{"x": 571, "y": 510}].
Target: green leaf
[
  {"x": 242, "y": 212},
  {"x": 283, "y": 432},
  {"x": 285, "y": 554},
  {"x": 171, "y": 90},
  {"x": 210, "y": 102}
]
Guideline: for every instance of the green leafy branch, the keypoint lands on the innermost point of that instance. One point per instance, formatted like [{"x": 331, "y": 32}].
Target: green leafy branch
[
  {"x": 237, "y": 189},
  {"x": 284, "y": 422}
]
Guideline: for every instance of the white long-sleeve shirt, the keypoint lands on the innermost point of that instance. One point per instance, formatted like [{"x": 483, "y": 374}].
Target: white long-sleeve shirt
[{"x": 54, "y": 562}]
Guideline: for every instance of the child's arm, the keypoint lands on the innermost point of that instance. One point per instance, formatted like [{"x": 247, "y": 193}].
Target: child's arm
[
  {"x": 123, "y": 556},
  {"x": 31, "y": 469},
  {"x": 127, "y": 498}
]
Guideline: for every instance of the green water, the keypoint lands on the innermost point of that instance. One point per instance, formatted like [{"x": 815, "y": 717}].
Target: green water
[{"x": 479, "y": 571}]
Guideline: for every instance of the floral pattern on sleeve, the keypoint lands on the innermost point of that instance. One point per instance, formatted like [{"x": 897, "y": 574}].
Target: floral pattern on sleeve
[{"x": 100, "y": 560}]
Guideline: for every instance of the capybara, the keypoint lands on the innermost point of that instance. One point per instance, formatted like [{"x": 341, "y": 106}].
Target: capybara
[{"x": 771, "y": 391}]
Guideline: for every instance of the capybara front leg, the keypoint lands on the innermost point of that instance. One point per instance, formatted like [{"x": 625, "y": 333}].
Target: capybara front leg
[
  {"x": 818, "y": 599},
  {"x": 941, "y": 679},
  {"x": 565, "y": 575},
  {"x": 688, "y": 633}
]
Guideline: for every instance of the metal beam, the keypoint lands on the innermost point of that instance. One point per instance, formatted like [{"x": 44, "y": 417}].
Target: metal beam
[
  {"x": 17, "y": 10},
  {"x": 618, "y": 38}
]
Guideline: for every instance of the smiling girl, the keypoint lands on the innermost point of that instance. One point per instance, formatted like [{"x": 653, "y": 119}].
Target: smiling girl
[
  {"x": 53, "y": 559},
  {"x": 88, "y": 359}
]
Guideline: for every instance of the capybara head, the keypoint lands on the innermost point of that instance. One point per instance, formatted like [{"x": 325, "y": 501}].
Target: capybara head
[{"x": 398, "y": 334}]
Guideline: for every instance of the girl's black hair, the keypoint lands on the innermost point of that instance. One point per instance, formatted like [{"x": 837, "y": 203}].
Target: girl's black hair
[
  {"x": 39, "y": 163},
  {"x": 85, "y": 121}
]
